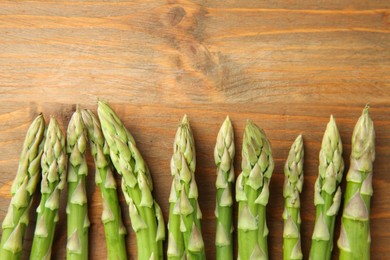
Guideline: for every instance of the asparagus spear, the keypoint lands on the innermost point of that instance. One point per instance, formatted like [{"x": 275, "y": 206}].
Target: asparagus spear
[
  {"x": 354, "y": 241},
  {"x": 112, "y": 220},
  {"x": 22, "y": 190},
  {"x": 293, "y": 181},
  {"x": 53, "y": 164},
  {"x": 223, "y": 155},
  {"x": 78, "y": 222},
  {"x": 252, "y": 193},
  {"x": 185, "y": 235},
  {"x": 327, "y": 195},
  {"x": 145, "y": 214}
]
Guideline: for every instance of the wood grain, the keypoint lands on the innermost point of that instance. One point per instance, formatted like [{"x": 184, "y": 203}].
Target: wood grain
[{"x": 286, "y": 65}]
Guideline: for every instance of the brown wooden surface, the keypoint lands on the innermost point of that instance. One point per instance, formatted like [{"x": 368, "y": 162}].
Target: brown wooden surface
[{"x": 287, "y": 65}]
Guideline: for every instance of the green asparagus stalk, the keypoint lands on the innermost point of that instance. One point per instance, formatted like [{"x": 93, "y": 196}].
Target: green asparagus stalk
[
  {"x": 77, "y": 212},
  {"x": 293, "y": 182},
  {"x": 111, "y": 217},
  {"x": 327, "y": 196},
  {"x": 224, "y": 156},
  {"x": 22, "y": 190},
  {"x": 355, "y": 240},
  {"x": 53, "y": 163},
  {"x": 252, "y": 193},
  {"x": 185, "y": 235},
  {"x": 145, "y": 214}
]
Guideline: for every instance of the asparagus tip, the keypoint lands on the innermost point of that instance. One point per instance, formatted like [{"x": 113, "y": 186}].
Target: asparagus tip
[
  {"x": 299, "y": 138},
  {"x": 102, "y": 104},
  {"x": 53, "y": 122},
  {"x": 332, "y": 120},
  {"x": 185, "y": 120}
]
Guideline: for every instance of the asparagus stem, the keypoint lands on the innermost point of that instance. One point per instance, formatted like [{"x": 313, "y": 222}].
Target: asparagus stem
[
  {"x": 145, "y": 214},
  {"x": 53, "y": 164},
  {"x": 355, "y": 240},
  {"x": 252, "y": 193},
  {"x": 185, "y": 235},
  {"x": 22, "y": 190},
  {"x": 78, "y": 222},
  {"x": 327, "y": 195},
  {"x": 111, "y": 217},
  {"x": 293, "y": 182},
  {"x": 224, "y": 156}
]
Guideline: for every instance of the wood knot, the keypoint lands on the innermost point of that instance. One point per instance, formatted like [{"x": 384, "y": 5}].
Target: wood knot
[{"x": 175, "y": 15}]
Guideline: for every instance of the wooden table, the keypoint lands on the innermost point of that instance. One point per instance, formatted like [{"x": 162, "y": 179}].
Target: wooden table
[{"x": 286, "y": 65}]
